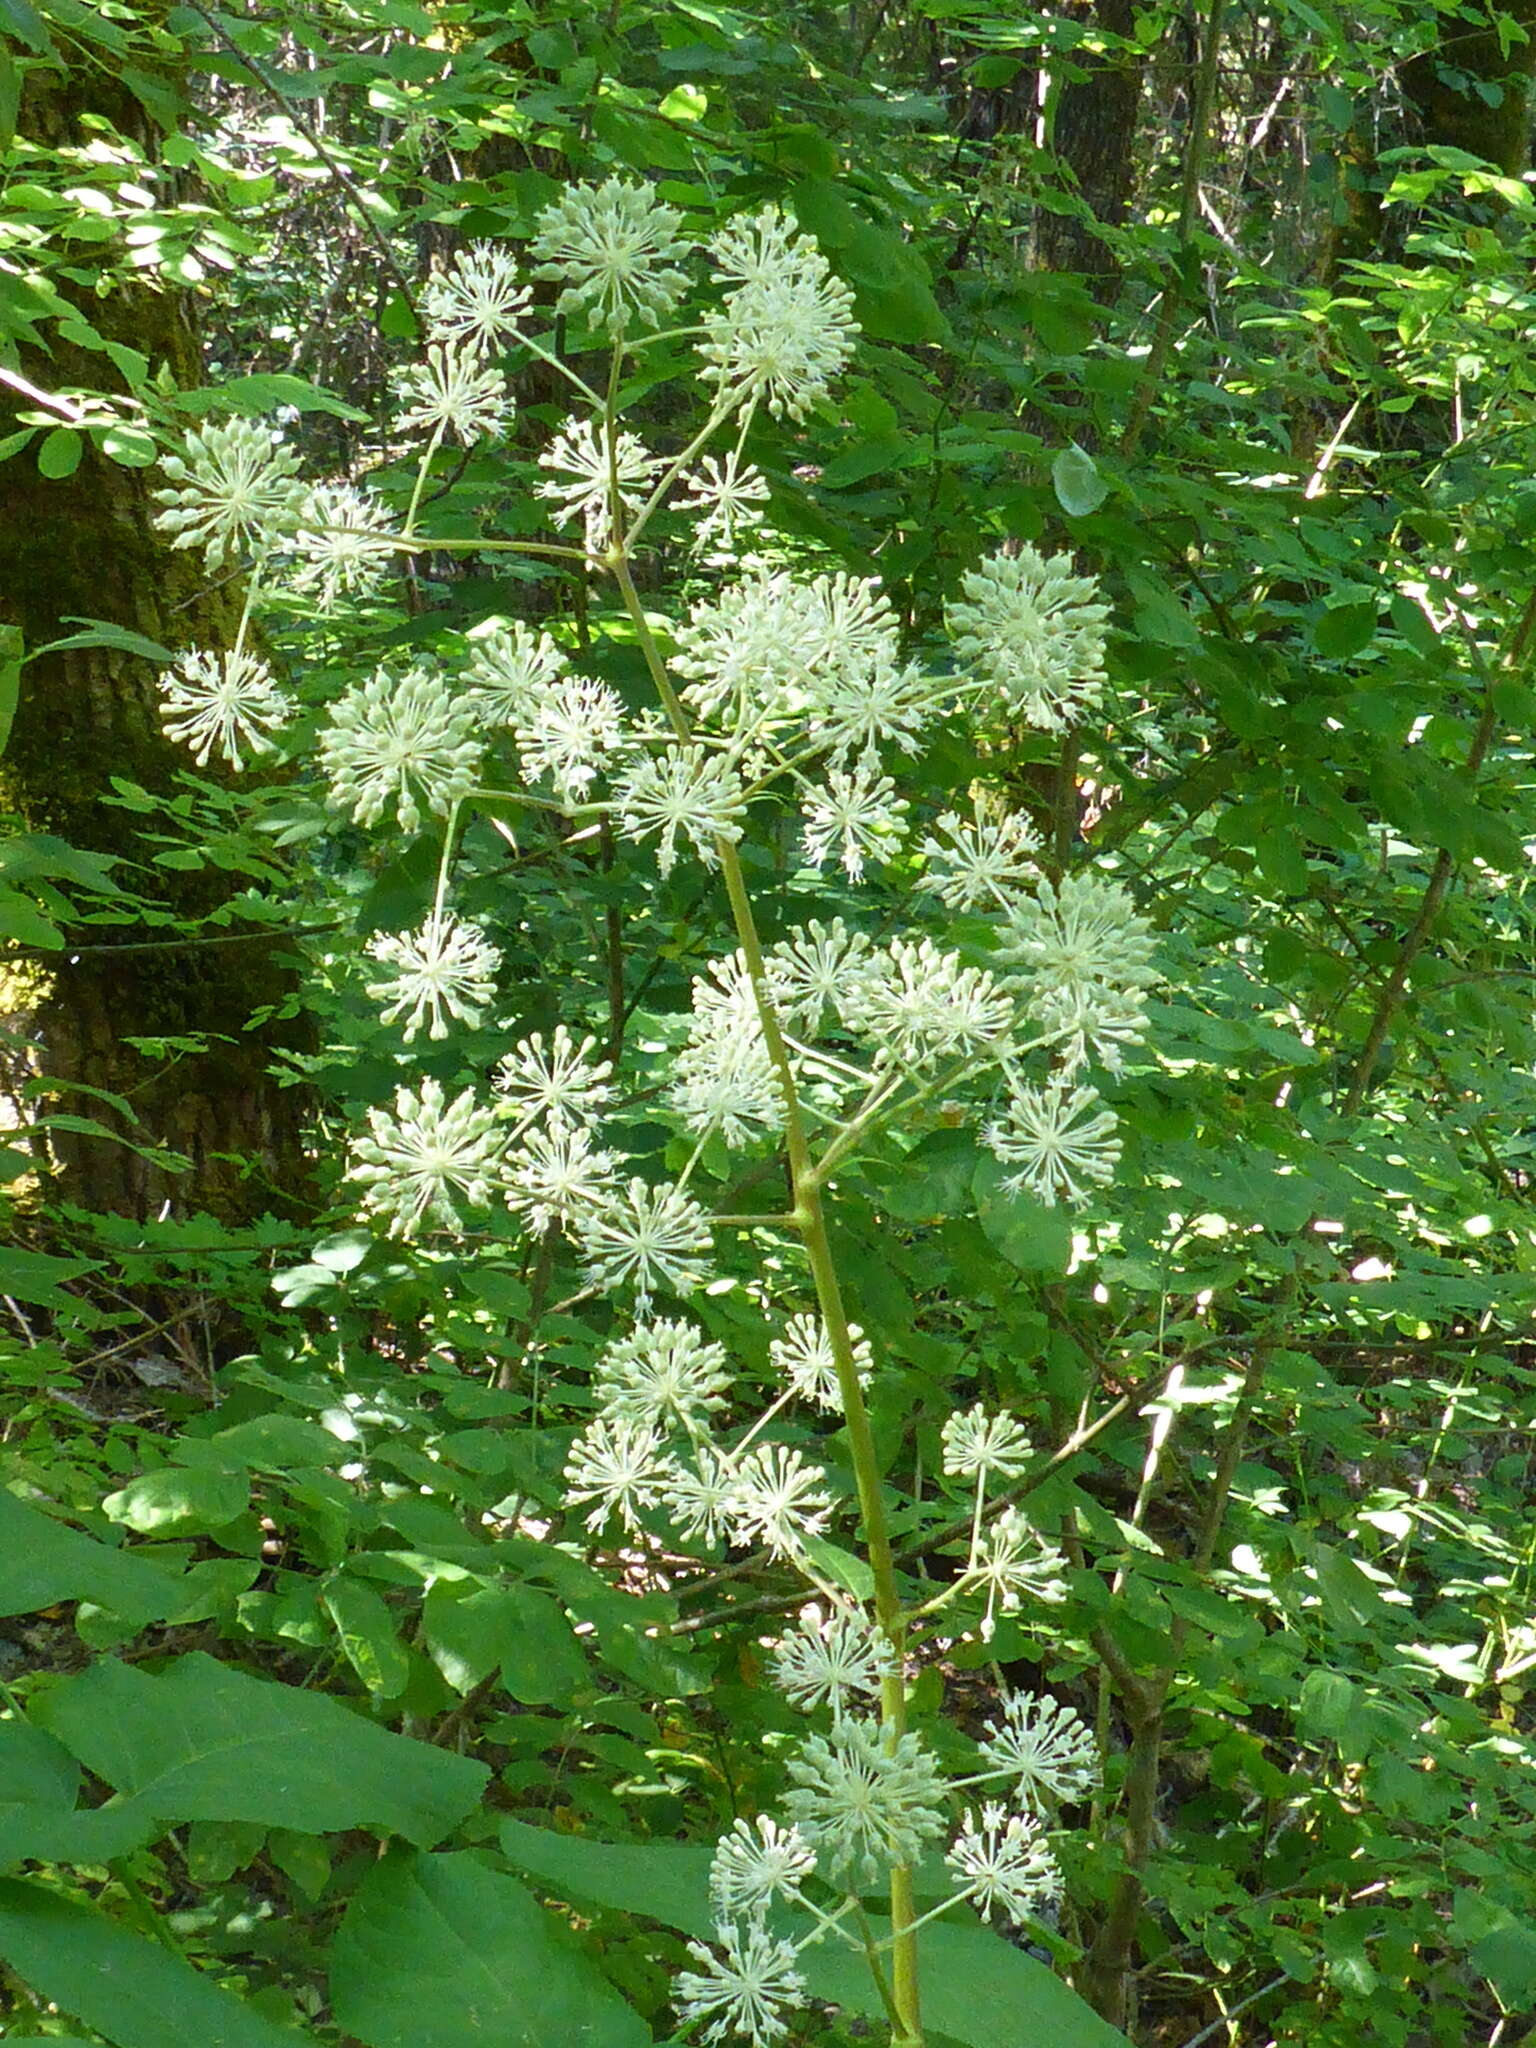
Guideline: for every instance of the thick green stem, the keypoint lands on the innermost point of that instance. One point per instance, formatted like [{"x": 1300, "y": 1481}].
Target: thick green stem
[{"x": 810, "y": 1220}]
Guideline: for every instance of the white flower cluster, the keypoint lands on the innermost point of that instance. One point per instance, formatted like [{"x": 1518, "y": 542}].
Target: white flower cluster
[{"x": 865, "y": 1800}]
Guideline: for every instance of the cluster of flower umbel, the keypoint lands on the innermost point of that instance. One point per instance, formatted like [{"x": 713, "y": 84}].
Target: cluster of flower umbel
[{"x": 786, "y": 692}]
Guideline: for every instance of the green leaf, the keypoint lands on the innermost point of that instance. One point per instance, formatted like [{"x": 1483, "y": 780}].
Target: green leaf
[
  {"x": 1345, "y": 630},
  {"x": 1507, "y": 1958},
  {"x": 59, "y": 453},
  {"x": 24, "y": 22},
  {"x": 129, "y": 447},
  {"x": 24, "y": 924},
  {"x": 1077, "y": 483},
  {"x": 132, "y": 1990},
  {"x": 368, "y": 1637},
  {"x": 42, "y": 1562},
  {"x": 266, "y": 390},
  {"x": 977, "y": 1987},
  {"x": 179, "y": 1500},
  {"x": 440, "y": 1952},
  {"x": 201, "y": 1741},
  {"x": 102, "y": 633},
  {"x": 13, "y": 649},
  {"x": 1031, "y": 1237},
  {"x": 39, "y": 1822}
]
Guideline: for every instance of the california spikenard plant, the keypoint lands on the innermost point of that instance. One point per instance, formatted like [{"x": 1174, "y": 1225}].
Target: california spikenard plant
[{"x": 785, "y": 708}]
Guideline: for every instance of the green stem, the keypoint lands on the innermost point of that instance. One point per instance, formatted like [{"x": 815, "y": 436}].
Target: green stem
[{"x": 810, "y": 1220}]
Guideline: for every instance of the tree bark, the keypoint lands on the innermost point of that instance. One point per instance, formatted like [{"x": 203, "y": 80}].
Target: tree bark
[
  {"x": 1093, "y": 133},
  {"x": 85, "y": 546}
]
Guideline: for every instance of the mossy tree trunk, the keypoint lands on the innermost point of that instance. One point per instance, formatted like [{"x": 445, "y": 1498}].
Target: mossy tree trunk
[{"x": 85, "y": 546}]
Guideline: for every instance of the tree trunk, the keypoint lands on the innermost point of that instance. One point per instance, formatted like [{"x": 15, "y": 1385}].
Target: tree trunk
[
  {"x": 1093, "y": 133},
  {"x": 85, "y": 547}
]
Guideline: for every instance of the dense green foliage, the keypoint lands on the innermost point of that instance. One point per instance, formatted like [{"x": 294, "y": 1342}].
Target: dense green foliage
[{"x": 325, "y": 1720}]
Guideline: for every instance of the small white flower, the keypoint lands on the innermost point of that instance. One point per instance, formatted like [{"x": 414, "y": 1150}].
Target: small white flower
[
  {"x": 453, "y": 391},
  {"x": 748, "y": 652},
  {"x": 787, "y": 329},
  {"x": 510, "y": 669},
  {"x": 1090, "y": 1023},
  {"x": 559, "y": 1176},
  {"x": 803, "y": 1355},
  {"x": 664, "y": 1375},
  {"x": 858, "y": 809},
  {"x": 234, "y": 485},
  {"x": 698, "y": 1497},
  {"x": 1015, "y": 1563},
  {"x": 580, "y": 458},
  {"x": 563, "y": 1082},
  {"x": 723, "y": 1079},
  {"x": 619, "y": 1467},
  {"x": 742, "y": 1991},
  {"x": 224, "y": 702},
  {"x": 649, "y": 1237},
  {"x": 1031, "y": 629},
  {"x": 1005, "y": 1864},
  {"x": 392, "y": 742},
  {"x": 852, "y": 713},
  {"x": 477, "y": 300},
  {"x": 346, "y": 545},
  {"x": 683, "y": 790},
  {"x": 813, "y": 970},
  {"x": 1082, "y": 934},
  {"x": 756, "y": 1863},
  {"x": 570, "y": 733},
  {"x": 977, "y": 1444},
  {"x": 448, "y": 966},
  {"x": 917, "y": 1003},
  {"x": 429, "y": 1156},
  {"x": 614, "y": 247},
  {"x": 1046, "y": 1748},
  {"x": 779, "y": 1499},
  {"x": 729, "y": 494},
  {"x": 978, "y": 863},
  {"x": 826, "y": 1661},
  {"x": 865, "y": 1800},
  {"x": 1062, "y": 1140}
]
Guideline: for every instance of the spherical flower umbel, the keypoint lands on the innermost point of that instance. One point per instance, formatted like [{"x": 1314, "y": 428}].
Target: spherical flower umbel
[
  {"x": 584, "y": 482},
  {"x": 1081, "y": 934},
  {"x": 745, "y": 1991},
  {"x": 730, "y": 493},
  {"x": 558, "y": 1176},
  {"x": 1005, "y": 1865},
  {"x": 860, "y": 813},
  {"x": 1015, "y": 1563},
  {"x": 396, "y": 742},
  {"x": 509, "y": 669},
  {"x": 649, "y": 1238},
  {"x": 619, "y": 1467},
  {"x": 454, "y": 392},
  {"x": 561, "y": 1081},
  {"x": 614, "y": 247},
  {"x": 345, "y": 543},
  {"x": 805, "y": 1359},
  {"x": 866, "y": 1800},
  {"x": 682, "y": 790},
  {"x": 233, "y": 486},
  {"x": 446, "y": 968},
  {"x": 778, "y": 1499},
  {"x": 787, "y": 329},
  {"x": 824, "y": 1662},
  {"x": 979, "y": 1445},
  {"x": 756, "y": 1863},
  {"x": 478, "y": 300},
  {"x": 665, "y": 1374},
  {"x": 1044, "y": 1747},
  {"x": 1061, "y": 1138},
  {"x": 222, "y": 702},
  {"x": 1032, "y": 630},
  {"x": 978, "y": 863},
  {"x": 427, "y": 1158}
]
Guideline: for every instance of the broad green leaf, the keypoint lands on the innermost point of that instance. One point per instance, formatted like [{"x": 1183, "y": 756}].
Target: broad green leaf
[
  {"x": 24, "y": 924},
  {"x": 59, "y": 453},
  {"x": 368, "y": 1637},
  {"x": 202, "y": 1741},
  {"x": 1079, "y": 487},
  {"x": 41, "y": 1562},
  {"x": 440, "y": 1952},
  {"x": 129, "y": 1988},
  {"x": 24, "y": 22},
  {"x": 1345, "y": 630},
  {"x": 977, "y": 1987},
  {"x": 102, "y": 633},
  {"x": 179, "y": 1500},
  {"x": 1031, "y": 1237},
  {"x": 39, "y": 1821}
]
